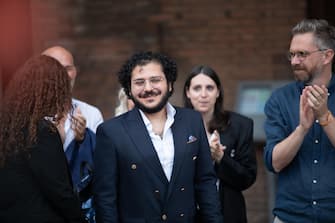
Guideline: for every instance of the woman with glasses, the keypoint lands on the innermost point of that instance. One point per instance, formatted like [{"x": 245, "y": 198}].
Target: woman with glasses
[
  {"x": 230, "y": 138},
  {"x": 35, "y": 183}
]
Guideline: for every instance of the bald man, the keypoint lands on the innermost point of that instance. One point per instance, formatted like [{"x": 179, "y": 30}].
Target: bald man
[{"x": 78, "y": 132}]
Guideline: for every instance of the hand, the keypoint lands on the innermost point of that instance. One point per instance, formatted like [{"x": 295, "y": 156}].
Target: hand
[
  {"x": 317, "y": 98},
  {"x": 217, "y": 150},
  {"x": 306, "y": 113},
  {"x": 78, "y": 124}
]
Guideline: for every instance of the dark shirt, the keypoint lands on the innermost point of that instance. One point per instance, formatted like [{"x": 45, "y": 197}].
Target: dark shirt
[{"x": 306, "y": 187}]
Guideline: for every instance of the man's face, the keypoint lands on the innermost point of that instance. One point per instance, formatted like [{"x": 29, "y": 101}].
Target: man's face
[
  {"x": 65, "y": 58},
  {"x": 306, "y": 58},
  {"x": 149, "y": 87},
  {"x": 67, "y": 61}
]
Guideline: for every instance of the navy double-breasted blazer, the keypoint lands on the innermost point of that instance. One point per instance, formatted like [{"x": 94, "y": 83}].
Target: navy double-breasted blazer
[{"x": 129, "y": 181}]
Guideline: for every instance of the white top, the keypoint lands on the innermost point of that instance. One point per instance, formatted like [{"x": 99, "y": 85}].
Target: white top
[
  {"x": 164, "y": 146},
  {"x": 93, "y": 119}
]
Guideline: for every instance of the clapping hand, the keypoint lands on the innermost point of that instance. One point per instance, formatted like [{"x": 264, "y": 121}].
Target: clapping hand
[
  {"x": 317, "y": 98},
  {"x": 78, "y": 124},
  {"x": 217, "y": 149}
]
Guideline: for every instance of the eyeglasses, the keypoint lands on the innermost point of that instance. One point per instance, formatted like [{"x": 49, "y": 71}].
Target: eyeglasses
[
  {"x": 301, "y": 55},
  {"x": 154, "y": 81}
]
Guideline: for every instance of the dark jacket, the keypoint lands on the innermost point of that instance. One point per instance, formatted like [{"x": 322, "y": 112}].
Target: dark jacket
[
  {"x": 130, "y": 184},
  {"x": 238, "y": 167},
  {"x": 37, "y": 187}
]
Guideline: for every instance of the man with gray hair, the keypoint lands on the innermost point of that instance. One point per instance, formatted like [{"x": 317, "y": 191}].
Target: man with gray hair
[{"x": 300, "y": 129}]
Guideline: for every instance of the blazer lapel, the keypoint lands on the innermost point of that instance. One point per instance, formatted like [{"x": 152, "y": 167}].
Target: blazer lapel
[
  {"x": 180, "y": 138},
  {"x": 140, "y": 137}
]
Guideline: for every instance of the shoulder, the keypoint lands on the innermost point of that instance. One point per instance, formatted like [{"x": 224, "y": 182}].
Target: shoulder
[
  {"x": 45, "y": 126},
  {"x": 115, "y": 122},
  {"x": 284, "y": 98},
  {"x": 186, "y": 112},
  {"x": 239, "y": 118},
  {"x": 46, "y": 130},
  {"x": 289, "y": 88}
]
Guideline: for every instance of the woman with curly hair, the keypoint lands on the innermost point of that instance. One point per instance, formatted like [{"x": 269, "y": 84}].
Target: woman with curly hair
[{"x": 35, "y": 184}]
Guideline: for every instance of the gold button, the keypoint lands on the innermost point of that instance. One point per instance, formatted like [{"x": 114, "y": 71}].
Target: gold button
[
  {"x": 194, "y": 157},
  {"x": 164, "y": 217},
  {"x": 133, "y": 166}
]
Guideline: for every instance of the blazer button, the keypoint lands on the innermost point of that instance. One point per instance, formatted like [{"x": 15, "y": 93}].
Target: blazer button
[
  {"x": 157, "y": 194},
  {"x": 182, "y": 215},
  {"x": 182, "y": 189},
  {"x": 164, "y": 217},
  {"x": 194, "y": 157},
  {"x": 133, "y": 166}
]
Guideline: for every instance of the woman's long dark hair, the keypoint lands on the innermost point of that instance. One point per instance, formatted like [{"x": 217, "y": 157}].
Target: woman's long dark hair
[
  {"x": 40, "y": 88},
  {"x": 220, "y": 118}
]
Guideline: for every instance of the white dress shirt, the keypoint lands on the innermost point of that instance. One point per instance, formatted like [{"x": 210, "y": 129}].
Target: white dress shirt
[{"x": 164, "y": 146}]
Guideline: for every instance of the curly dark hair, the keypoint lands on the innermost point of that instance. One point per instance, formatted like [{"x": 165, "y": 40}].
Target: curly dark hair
[
  {"x": 220, "y": 118},
  {"x": 39, "y": 89},
  {"x": 142, "y": 58}
]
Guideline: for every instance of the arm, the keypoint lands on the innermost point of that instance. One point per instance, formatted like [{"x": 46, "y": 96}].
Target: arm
[
  {"x": 84, "y": 118},
  {"x": 318, "y": 100},
  {"x": 105, "y": 179},
  {"x": 49, "y": 167},
  {"x": 329, "y": 128},
  {"x": 239, "y": 172},
  {"x": 285, "y": 150}
]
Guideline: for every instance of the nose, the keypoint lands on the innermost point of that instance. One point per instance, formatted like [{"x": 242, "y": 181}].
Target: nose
[
  {"x": 147, "y": 85},
  {"x": 203, "y": 93}
]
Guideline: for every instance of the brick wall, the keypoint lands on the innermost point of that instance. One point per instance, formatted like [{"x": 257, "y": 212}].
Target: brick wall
[{"x": 241, "y": 40}]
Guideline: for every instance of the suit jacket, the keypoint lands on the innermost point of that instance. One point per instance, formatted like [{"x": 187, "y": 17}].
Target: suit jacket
[
  {"x": 130, "y": 185},
  {"x": 36, "y": 186},
  {"x": 238, "y": 168}
]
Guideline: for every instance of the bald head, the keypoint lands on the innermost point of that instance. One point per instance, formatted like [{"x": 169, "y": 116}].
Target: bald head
[{"x": 65, "y": 58}]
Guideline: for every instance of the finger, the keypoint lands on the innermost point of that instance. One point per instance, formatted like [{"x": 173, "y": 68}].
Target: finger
[
  {"x": 312, "y": 103},
  {"x": 318, "y": 92},
  {"x": 81, "y": 120},
  {"x": 311, "y": 97},
  {"x": 77, "y": 111}
]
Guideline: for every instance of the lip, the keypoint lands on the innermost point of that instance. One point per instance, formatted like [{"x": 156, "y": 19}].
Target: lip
[{"x": 150, "y": 99}]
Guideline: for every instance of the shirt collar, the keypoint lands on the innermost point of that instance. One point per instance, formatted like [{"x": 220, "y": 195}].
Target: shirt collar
[
  {"x": 170, "y": 111},
  {"x": 301, "y": 85}
]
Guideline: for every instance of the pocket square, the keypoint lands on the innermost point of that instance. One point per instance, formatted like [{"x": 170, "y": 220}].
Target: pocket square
[{"x": 191, "y": 139}]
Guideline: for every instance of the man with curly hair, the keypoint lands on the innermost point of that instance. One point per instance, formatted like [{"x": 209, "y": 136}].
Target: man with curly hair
[{"x": 153, "y": 163}]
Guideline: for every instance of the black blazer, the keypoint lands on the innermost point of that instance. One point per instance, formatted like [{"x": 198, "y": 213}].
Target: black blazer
[
  {"x": 130, "y": 184},
  {"x": 238, "y": 168},
  {"x": 37, "y": 188}
]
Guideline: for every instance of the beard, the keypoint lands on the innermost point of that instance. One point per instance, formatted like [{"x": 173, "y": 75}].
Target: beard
[
  {"x": 304, "y": 75},
  {"x": 158, "y": 107}
]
